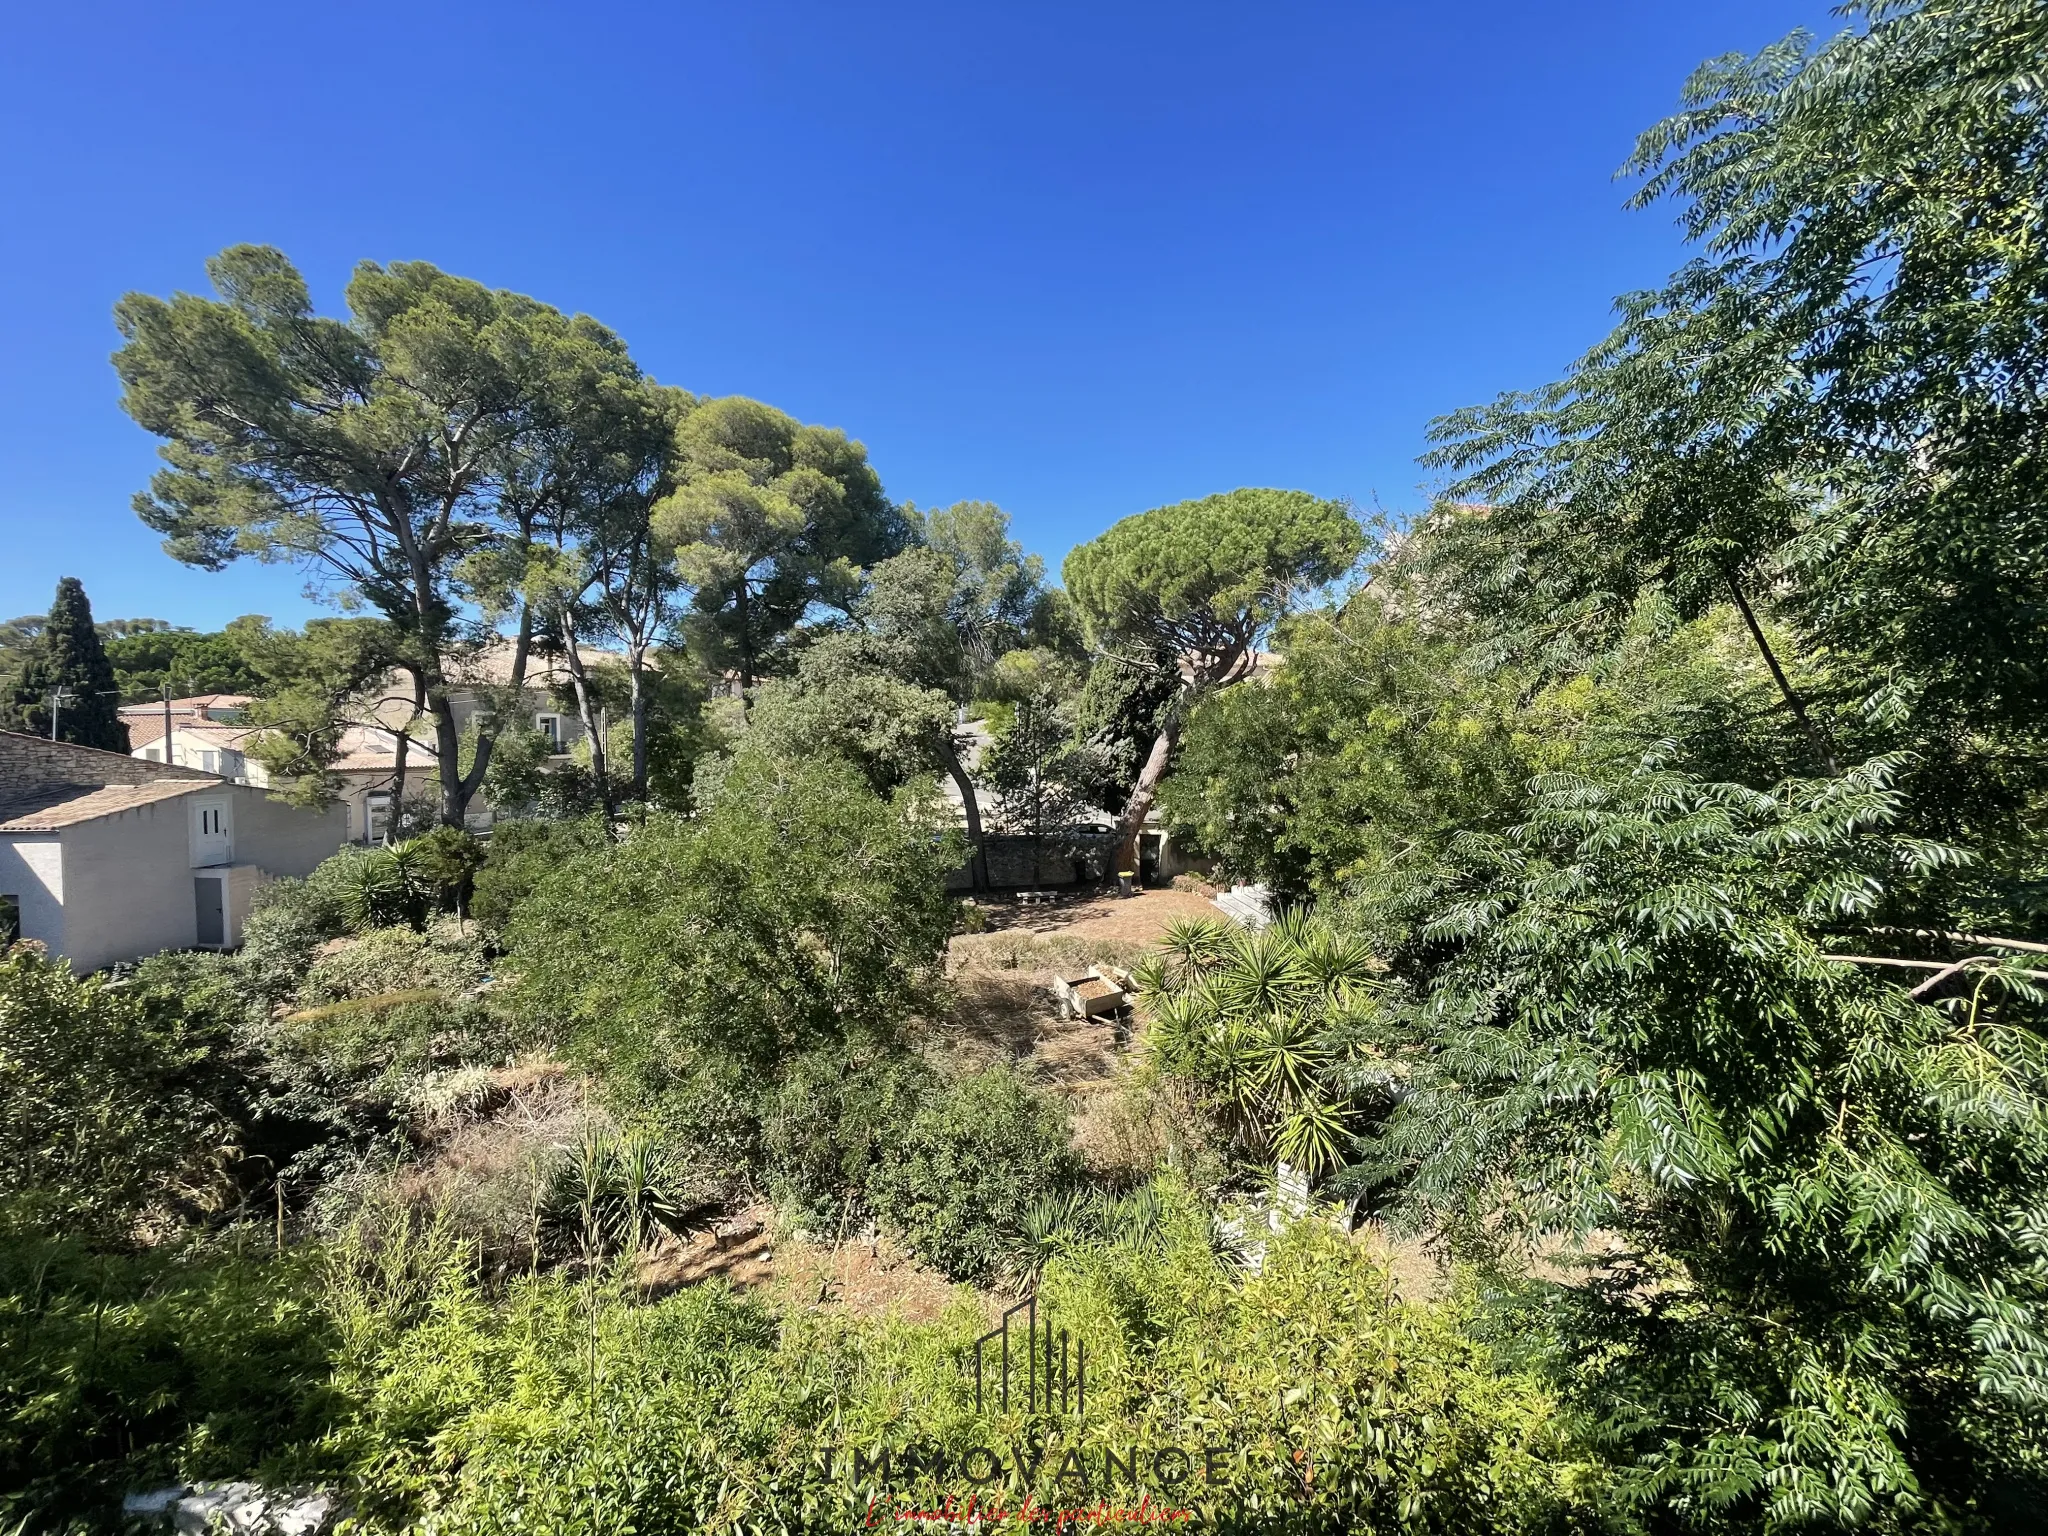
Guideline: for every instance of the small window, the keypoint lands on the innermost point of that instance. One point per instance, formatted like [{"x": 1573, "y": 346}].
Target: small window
[
  {"x": 10, "y": 920},
  {"x": 550, "y": 727},
  {"x": 153, "y": 754},
  {"x": 209, "y": 762}
]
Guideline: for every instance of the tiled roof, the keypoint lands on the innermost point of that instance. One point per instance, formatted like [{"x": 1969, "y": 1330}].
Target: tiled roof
[
  {"x": 47, "y": 785},
  {"x": 198, "y": 703},
  {"x": 66, "y": 805},
  {"x": 147, "y": 729},
  {"x": 419, "y": 758}
]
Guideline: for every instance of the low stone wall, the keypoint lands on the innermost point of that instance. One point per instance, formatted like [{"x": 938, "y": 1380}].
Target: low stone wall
[{"x": 1020, "y": 862}]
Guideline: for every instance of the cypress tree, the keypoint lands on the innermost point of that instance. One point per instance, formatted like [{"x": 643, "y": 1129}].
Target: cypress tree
[{"x": 68, "y": 655}]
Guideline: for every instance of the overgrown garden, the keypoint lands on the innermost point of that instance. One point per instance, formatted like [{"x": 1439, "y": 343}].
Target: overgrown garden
[{"x": 1657, "y": 832}]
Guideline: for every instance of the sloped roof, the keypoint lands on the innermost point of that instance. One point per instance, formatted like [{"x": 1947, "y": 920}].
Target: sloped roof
[
  {"x": 143, "y": 730},
  {"x": 49, "y": 785},
  {"x": 194, "y": 704},
  {"x": 89, "y": 802}
]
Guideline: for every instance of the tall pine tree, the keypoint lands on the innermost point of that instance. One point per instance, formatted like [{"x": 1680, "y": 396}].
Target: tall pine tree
[{"x": 68, "y": 656}]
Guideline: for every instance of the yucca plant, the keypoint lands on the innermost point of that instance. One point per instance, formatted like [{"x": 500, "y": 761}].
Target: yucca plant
[
  {"x": 1051, "y": 1226},
  {"x": 386, "y": 887},
  {"x": 612, "y": 1193},
  {"x": 1274, "y": 1025},
  {"x": 1134, "y": 1220}
]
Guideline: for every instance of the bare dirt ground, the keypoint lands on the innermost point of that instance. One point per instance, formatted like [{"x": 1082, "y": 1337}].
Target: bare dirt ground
[
  {"x": 1093, "y": 915},
  {"x": 868, "y": 1277},
  {"x": 1002, "y": 978}
]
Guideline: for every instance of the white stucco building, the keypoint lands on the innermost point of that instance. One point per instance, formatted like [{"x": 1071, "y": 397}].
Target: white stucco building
[
  {"x": 208, "y": 731},
  {"x": 106, "y": 857}
]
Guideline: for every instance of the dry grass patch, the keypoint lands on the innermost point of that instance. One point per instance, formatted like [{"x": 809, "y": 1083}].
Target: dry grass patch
[{"x": 867, "y": 1277}]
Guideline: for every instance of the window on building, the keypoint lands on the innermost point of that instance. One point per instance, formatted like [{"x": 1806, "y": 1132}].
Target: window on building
[
  {"x": 551, "y": 727},
  {"x": 209, "y": 762},
  {"x": 377, "y": 812},
  {"x": 10, "y": 920},
  {"x": 153, "y": 754}
]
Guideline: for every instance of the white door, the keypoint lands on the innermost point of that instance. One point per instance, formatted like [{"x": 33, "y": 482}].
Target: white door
[{"x": 213, "y": 833}]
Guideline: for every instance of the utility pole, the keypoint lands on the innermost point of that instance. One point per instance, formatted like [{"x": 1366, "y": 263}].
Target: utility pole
[
  {"x": 169, "y": 757},
  {"x": 59, "y": 697}
]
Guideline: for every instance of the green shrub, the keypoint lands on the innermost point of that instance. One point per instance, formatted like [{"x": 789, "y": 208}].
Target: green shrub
[
  {"x": 443, "y": 957},
  {"x": 96, "y": 1125},
  {"x": 288, "y": 920},
  {"x": 560, "y": 1404},
  {"x": 798, "y": 912},
  {"x": 125, "y": 1371},
  {"x": 448, "y": 859},
  {"x": 827, "y": 1127},
  {"x": 571, "y": 1408},
  {"x": 961, "y": 1177},
  {"x": 518, "y": 857},
  {"x": 390, "y": 1005}
]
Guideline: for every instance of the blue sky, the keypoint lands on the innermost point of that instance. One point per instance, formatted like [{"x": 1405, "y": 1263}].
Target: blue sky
[{"x": 1076, "y": 259}]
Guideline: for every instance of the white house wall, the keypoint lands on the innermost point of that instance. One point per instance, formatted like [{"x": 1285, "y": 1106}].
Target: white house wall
[
  {"x": 128, "y": 885},
  {"x": 281, "y": 839},
  {"x": 127, "y": 878},
  {"x": 32, "y": 871}
]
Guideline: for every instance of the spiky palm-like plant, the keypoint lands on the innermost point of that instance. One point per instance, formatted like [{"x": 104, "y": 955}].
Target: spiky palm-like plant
[{"x": 1273, "y": 1025}]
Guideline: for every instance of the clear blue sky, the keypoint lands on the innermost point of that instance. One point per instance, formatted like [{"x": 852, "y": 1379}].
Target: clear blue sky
[{"x": 1077, "y": 259}]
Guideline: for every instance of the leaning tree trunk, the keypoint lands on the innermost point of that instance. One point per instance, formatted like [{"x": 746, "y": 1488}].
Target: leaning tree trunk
[
  {"x": 1822, "y": 748},
  {"x": 1144, "y": 792},
  {"x": 977, "y": 863},
  {"x": 459, "y": 788}
]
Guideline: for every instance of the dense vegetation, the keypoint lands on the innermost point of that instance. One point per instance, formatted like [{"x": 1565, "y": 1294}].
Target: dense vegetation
[{"x": 1657, "y": 825}]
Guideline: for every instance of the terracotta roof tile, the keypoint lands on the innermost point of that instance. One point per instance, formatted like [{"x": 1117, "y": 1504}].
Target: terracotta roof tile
[
  {"x": 143, "y": 731},
  {"x": 192, "y": 705}
]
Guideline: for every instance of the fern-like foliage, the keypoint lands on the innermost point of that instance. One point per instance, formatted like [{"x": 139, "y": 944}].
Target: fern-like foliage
[{"x": 1825, "y": 1300}]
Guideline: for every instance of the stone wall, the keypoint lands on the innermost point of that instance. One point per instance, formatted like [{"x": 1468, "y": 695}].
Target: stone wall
[
  {"x": 1017, "y": 862},
  {"x": 30, "y": 764}
]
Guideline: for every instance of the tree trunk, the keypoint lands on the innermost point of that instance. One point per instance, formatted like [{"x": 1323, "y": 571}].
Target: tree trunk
[
  {"x": 1822, "y": 749},
  {"x": 977, "y": 863},
  {"x": 457, "y": 787},
  {"x": 573, "y": 654},
  {"x": 400, "y": 746},
  {"x": 636, "y": 664},
  {"x": 1132, "y": 822},
  {"x": 746, "y": 644},
  {"x": 448, "y": 743}
]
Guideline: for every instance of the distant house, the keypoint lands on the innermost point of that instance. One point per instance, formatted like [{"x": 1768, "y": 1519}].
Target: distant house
[
  {"x": 208, "y": 731},
  {"x": 106, "y": 857},
  {"x": 479, "y": 689}
]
